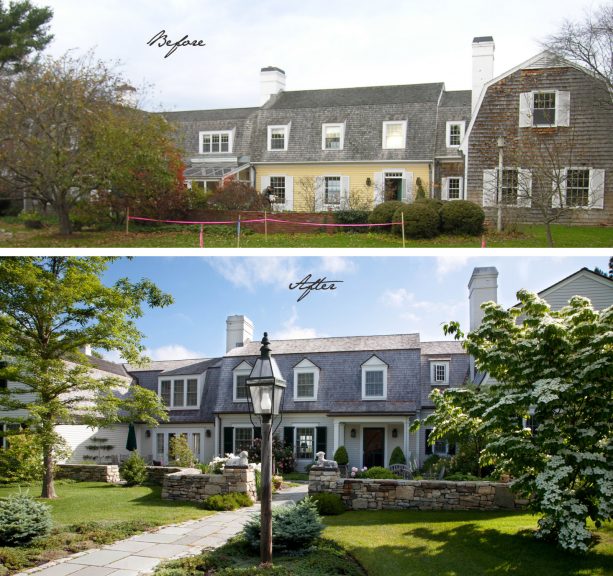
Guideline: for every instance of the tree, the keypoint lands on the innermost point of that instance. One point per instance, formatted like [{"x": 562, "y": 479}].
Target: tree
[
  {"x": 50, "y": 308},
  {"x": 554, "y": 369},
  {"x": 589, "y": 44},
  {"x": 23, "y": 30},
  {"x": 67, "y": 134}
]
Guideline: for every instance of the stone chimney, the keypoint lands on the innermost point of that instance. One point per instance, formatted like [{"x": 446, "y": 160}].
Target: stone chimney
[
  {"x": 272, "y": 81},
  {"x": 239, "y": 331},
  {"x": 483, "y": 65},
  {"x": 482, "y": 287}
]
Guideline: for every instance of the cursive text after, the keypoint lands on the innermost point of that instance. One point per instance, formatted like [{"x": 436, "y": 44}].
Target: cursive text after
[{"x": 306, "y": 285}]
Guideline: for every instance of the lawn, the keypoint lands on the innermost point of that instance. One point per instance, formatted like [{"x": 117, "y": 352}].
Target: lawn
[
  {"x": 14, "y": 235},
  {"x": 414, "y": 543}
]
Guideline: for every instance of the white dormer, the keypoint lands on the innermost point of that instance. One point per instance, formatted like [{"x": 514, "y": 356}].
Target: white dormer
[
  {"x": 239, "y": 382},
  {"x": 306, "y": 381},
  {"x": 374, "y": 379}
]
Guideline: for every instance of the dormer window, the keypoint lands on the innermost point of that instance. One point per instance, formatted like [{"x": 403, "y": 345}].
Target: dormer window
[
  {"x": 439, "y": 373},
  {"x": 332, "y": 136},
  {"x": 306, "y": 381},
  {"x": 454, "y": 134},
  {"x": 278, "y": 137},
  {"x": 216, "y": 142},
  {"x": 180, "y": 393},
  {"x": 394, "y": 135},
  {"x": 374, "y": 379},
  {"x": 239, "y": 388}
]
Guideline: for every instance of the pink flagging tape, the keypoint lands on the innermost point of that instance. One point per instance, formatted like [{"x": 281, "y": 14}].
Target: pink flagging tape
[{"x": 255, "y": 220}]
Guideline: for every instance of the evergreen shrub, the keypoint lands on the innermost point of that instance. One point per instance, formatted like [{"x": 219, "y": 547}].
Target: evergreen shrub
[
  {"x": 384, "y": 213},
  {"x": 133, "y": 470},
  {"x": 397, "y": 456},
  {"x": 462, "y": 217},
  {"x": 22, "y": 519},
  {"x": 421, "y": 220},
  {"x": 328, "y": 504},
  {"x": 341, "y": 457}
]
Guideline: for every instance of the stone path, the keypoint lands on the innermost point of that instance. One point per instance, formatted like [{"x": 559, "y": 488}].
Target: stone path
[{"x": 140, "y": 554}]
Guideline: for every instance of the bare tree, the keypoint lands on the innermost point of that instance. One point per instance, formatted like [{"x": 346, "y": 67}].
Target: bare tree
[{"x": 309, "y": 186}]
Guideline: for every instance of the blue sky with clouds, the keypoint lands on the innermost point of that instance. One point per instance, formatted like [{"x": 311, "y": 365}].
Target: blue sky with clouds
[
  {"x": 378, "y": 295},
  {"x": 320, "y": 44}
]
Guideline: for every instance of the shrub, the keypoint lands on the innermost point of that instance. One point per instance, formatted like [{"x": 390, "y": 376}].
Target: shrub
[
  {"x": 458, "y": 477},
  {"x": 133, "y": 470},
  {"x": 384, "y": 213},
  {"x": 397, "y": 456},
  {"x": 352, "y": 217},
  {"x": 434, "y": 464},
  {"x": 420, "y": 220},
  {"x": 22, "y": 519},
  {"x": 230, "y": 501},
  {"x": 379, "y": 473},
  {"x": 433, "y": 203},
  {"x": 341, "y": 457},
  {"x": 328, "y": 504},
  {"x": 283, "y": 456},
  {"x": 237, "y": 196},
  {"x": 22, "y": 460},
  {"x": 293, "y": 527},
  {"x": 180, "y": 452},
  {"x": 462, "y": 217}
]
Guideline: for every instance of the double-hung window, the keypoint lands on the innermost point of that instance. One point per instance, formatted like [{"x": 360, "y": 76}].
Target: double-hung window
[
  {"x": 544, "y": 109},
  {"x": 509, "y": 186},
  {"x": 165, "y": 392},
  {"x": 332, "y": 190},
  {"x": 215, "y": 142},
  {"x": 374, "y": 379},
  {"x": 332, "y": 136},
  {"x": 278, "y": 185},
  {"x": 179, "y": 392},
  {"x": 278, "y": 137},
  {"x": 305, "y": 440},
  {"x": 454, "y": 188},
  {"x": 394, "y": 135},
  {"x": 240, "y": 375},
  {"x": 577, "y": 187},
  {"x": 439, "y": 373},
  {"x": 306, "y": 381},
  {"x": 454, "y": 134},
  {"x": 243, "y": 439}
]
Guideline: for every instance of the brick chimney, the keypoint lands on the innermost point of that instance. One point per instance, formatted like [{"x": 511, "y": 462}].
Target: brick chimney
[
  {"x": 272, "y": 81},
  {"x": 483, "y": 65}
]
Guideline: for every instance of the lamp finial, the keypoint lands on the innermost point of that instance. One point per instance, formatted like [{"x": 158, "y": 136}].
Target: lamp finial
[{"x": 265, "y": 349}]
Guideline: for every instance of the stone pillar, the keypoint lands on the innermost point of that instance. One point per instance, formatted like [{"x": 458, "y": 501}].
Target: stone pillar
[
  {"x": 323, "y": 479},
  {"x": 240, "y": 479}
]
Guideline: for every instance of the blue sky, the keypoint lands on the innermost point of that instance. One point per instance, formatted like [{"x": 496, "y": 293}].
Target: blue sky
[
  {"x": 378, "y": 295},
  {"x": 319, "y": 43}
]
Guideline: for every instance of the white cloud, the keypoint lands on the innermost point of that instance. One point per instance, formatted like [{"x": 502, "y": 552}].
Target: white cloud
[
  {"x": 249, "y": 272},
  {"x": 447, "y": 264},
  {"x": 397, "y": 298},
  {"x": 337, "y": 265},
  {"x": 173, "y": 352},
  {"x": 112, "y": 356},
  {"x": 291, "y": 330}
]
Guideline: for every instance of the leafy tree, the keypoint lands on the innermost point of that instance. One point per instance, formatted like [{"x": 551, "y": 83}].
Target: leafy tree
[
  {"x": 557, "y": 368},
  {"x": 180, "y": 453},
  {"x": 23, "y": 30},
  {"x": 68, "y": 135},
  {"x": 50, "y": 308}
]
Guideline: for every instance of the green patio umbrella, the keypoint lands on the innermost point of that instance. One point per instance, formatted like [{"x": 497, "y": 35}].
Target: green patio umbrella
[{"x": 131, "y": 442}]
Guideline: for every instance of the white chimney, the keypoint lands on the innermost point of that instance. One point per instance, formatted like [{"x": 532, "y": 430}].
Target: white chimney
[
  {"x": 272, "y": 81},
  {"x": 239, "y": 331},
  {"x": 86, "y": 349},
  {"x": 483, "y": 65},
  {"x": 483, "y": 287}
]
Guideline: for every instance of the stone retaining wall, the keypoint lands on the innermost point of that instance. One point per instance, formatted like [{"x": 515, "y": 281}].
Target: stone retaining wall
[
  {"x": 90, "y": 473},
  {"x": 193, "y": 486},
  {"x": 155, "y": 474},
  {"x": 361, "y": 494}
]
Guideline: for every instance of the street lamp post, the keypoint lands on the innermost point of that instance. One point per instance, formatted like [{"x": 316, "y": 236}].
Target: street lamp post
[
  {"x": 265, "y": 386},
  {"x": 501, "y": 144}
]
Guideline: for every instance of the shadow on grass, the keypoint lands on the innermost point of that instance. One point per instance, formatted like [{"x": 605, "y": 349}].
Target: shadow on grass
[
  {"x": 374, "y": 518},
  {"x": 467, "y": 550}
]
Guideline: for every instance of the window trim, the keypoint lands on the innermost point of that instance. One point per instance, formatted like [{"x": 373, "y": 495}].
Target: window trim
[
  {"x": 589, "y": 187},
  {"x": 279, "y": 204},
  {"x": 340, "y": 192},
  {"x": 433, "y": 366},
  {"x": 449, "y": 124},
  {"x": 341, "y": 125},
  {"x": 296, "y": 445},
  {"x": 184, "y": 378},
  {"x": 374, "y": 364},
  {"x": 306, "y": 367},
  {"x": 241, "y": 427},
  {"x": 285, "y": 128},
  {"x": 460, "y": 188},
  {"x": 553, "y": 124},
  {"x": 204, "y": 133},
  {"x": 386, "y": 124},
  {"x": 243, "y": 369}
]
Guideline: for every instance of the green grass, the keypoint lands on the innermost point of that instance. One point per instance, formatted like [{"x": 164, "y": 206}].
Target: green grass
[
  {"x": 225, "y": 237},
  {"x": 413, "y": 543},
  {"x": 296, "y": 476}
]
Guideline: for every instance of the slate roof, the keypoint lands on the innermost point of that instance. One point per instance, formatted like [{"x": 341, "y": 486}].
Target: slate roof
[
  {"x": 442, "y": 347},
  {"x": 107, "y": 366},
  {"x": 190, "y": 369},
  {"x": 455, "y": 106},
  {"x": 164, "y": 365},
  {"x": 335, "y": 344},
  {"x": 217, "y": 115}
]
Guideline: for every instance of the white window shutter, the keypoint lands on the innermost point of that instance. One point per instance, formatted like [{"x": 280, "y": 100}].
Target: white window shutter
[
  {"x": 490, "y": 182},
  {"x": 378, "y": 192},
  {"x": 462, "y": 189},
  {"x": 525, "y": 109},
  {"x": 407, "y": 187},
  {"x": 524, "y": 194},
  {"x": 563, "y": 111},
  {"x": 289, "y": 192},
  {"x": 319, "y": 193},
  {"x": 265, "y": 183},
  {"x": 344, "y": 192},
  {"x": 444, "y": 188},
  {"x": 596, "y": 199}
]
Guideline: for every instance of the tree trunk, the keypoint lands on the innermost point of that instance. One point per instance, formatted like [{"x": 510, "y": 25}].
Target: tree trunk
[
  {"x": 64, "y": 218},
  {"x": 549, "y": 236},
  {"x": 48, "y": 490}
]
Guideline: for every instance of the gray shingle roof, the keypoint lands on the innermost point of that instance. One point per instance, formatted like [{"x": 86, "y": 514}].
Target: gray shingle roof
[
  {"x": 189, "y": 369},
  {"x": 208, "y": 115},
  {"x": 335, "y": 344},
  {"x": 457, "y": 98},
  {"x": 442, "y": 347},
  {"x": 455, "y": 107},
  {"x": 164, "y": 365},
  {"x": 107, "y": 366}
]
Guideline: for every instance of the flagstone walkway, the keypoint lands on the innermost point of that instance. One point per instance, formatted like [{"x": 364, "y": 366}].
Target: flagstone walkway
[{"x": 140, "y": 554}]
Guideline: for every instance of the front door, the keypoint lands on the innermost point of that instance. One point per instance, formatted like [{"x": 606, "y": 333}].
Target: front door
[{"x": 374, "y": 447}]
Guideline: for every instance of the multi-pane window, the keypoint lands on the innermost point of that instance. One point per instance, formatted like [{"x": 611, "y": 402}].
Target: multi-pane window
[
  {"x": 196, "y": 443},
  {"x": 509, "y": 186},
  {"x": 577, "y": 187},
  {"x": 159, "y": 444},
  {"x": 544, "y": 109},
  {"x": 277, "y": 137},
  {"x": 305, "y": 439},
  {"x": 243, "y": 438},
  {"x": 165, "y": 392},
  {"x": 306, "y": 385},
  {"x": 393, "y": 134},
  {"x": 178, "y": 393},
  {"x": 278, "y": 185},
  {"x": 374, "y": 383},
  {"x": 241, "y": 386},
  {"x": 332, "y": 193},
  {"x": 332, "y": 136},
  {"x": 454, "y": 135},
  {"x": 192, "y": 392},
  {"x": 440, "y": 373},
  {"x": 216, "y": 142},
  {"x": 453, "y": 188}
]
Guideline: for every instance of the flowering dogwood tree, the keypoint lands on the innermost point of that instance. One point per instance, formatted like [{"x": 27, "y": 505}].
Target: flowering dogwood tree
[{"x": 553, "y": 370}]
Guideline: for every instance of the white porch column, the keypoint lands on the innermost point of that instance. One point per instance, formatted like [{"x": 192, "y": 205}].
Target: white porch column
[
  {"x": 337, "y": 426},
  {"x": 216, "y": 436},
  {"x": 406, "y": 448},
  {"x": 417, "y": 447}
]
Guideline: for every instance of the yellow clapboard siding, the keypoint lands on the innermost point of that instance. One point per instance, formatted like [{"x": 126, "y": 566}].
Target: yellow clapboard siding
[{"x": 357, "y": 173}]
